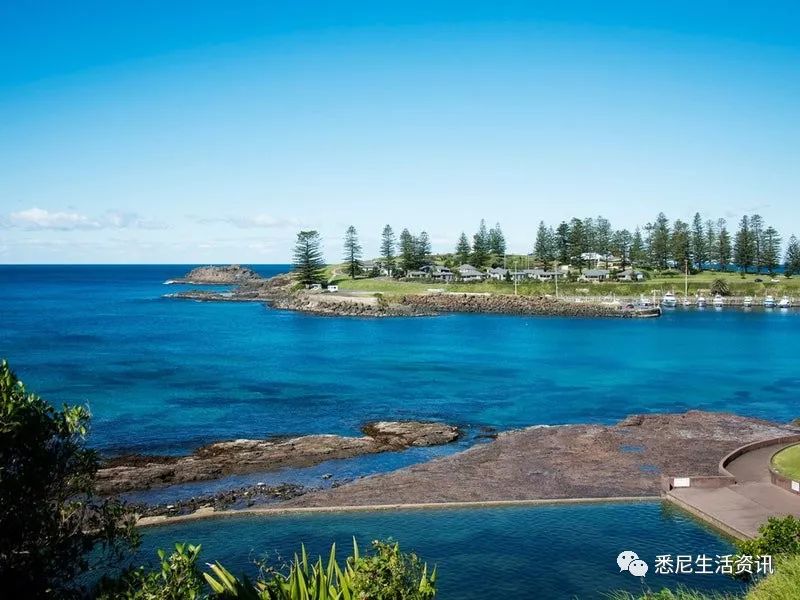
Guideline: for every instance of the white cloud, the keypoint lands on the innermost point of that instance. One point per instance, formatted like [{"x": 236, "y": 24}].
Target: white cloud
[
  {"x": 38, "y": 218},
  {"x": 261, "y": 221}
]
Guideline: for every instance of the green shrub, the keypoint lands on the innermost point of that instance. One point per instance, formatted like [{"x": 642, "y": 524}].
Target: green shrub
[
  {"x": 177, "y": 579},
  {"x": 51, "y": 522},
  {"x": 387, "y": 574},
  {"x": 778, "y": 536}
]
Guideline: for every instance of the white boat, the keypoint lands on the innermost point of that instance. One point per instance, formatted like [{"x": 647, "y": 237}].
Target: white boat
[
  {"x": 701, "y": 301},
  {"x": 687, "y": 302},
  {"x": 785, "y": 302},
  {"x": 769, "y": 302},
  {"x": 718, "y": 301},
  {"x": 669, "y": 299},
  {"x": 747, "y": 302}
]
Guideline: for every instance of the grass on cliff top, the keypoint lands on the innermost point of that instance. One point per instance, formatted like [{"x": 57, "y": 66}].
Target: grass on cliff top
[
  {"x": 699, "y": 283},
  {"x": 787, "y": 463}
]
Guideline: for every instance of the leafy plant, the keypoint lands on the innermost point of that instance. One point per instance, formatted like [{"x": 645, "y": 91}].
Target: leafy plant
[
  {"x": 388, "y": 574},
  {"x": 720, "y": 286},
  {"x": 177, "y": 579},
  {"x": 50, "y": 519},
  {"x": 778, "y": 536}
]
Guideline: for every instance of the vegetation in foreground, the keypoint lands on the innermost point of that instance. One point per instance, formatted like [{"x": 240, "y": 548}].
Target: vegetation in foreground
[
  {"x": 787, "y": 462},
  {"x": 385, "y": 574}
]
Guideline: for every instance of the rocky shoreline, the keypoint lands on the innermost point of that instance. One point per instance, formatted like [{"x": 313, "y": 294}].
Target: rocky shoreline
[
  {"x": 141, "y": 472},
  {"x": 510, "y": 305}
]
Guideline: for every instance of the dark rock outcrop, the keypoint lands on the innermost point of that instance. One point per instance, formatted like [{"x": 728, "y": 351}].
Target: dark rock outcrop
[
  {"x": 220, "y": 274},
  {"x": 217, "y": 460}
]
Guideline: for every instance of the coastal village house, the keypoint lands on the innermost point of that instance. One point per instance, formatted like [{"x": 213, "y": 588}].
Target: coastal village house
[
  {"x": 630, "y": 275},
  {"x": 595, "y": 275},
  {"x": 469, "y": 273}
]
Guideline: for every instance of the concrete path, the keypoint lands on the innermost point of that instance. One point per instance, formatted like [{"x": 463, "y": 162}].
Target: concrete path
[{"x": 741, "y": 508}]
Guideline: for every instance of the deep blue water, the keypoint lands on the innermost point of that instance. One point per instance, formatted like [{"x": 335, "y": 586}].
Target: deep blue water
[
  {"x": 548, "y": 552},
  {"x": 166, "y": 375}
]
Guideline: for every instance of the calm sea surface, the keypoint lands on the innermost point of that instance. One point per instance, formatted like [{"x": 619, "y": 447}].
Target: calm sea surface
[
  {"x": 165, "y": 375},
  {"x": 547, "y": 552}
]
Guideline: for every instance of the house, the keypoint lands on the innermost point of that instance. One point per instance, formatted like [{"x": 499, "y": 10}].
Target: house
[
  {"x": 469, "y": 273},
  {"x": 552, "y": 275},
  {"x": 535, "y": 274},
  {"x": 595, "y": 275},
  {"x": 595, "y": 258},
  {"x": 333, "y": 288},
  {"x": 630, "y": 275},
  {"x": 417, "y": 274},
  {"x": 497, "y": 273},
  {"x": 440, "y": 273}
]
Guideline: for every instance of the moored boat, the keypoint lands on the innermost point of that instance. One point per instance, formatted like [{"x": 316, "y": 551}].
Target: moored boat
[
  {"x": 747, "y": 302},
  {"x": 718, "y": 301},
  {"x": 669, "y": 300},
  {"x": 785, "y": 302},
  {"x": 769, "y": 302},
  {"x": 701, "y": 301}
]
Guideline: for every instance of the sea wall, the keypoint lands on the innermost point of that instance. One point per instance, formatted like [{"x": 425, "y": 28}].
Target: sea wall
[{"x": 508, "y": 304}]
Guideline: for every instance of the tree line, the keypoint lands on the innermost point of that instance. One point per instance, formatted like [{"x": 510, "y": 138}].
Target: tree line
[{"x": 697, "y": 245}]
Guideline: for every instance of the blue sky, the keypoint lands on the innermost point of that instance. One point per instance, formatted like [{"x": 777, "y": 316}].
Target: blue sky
[{"x": 196, "y": 132}]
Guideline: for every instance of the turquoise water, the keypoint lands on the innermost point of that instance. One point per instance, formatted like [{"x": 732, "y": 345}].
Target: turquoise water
[
  {"x": 549, "y": 552},
  {"x": 166, "y": 376}
]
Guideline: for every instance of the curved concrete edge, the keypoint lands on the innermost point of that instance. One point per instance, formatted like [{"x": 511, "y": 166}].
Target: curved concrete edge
[
  {"x": 731, "y": 456},
  {"x": 210, "y": 513},
  {"x": 708, "y": 519},
  {"x": 783, "y": 482}
]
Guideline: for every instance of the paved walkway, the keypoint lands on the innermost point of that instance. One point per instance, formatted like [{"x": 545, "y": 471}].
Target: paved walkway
[{"x": 741, "y": 508}]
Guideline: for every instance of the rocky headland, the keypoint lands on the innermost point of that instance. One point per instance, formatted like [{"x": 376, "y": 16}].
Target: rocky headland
[
  {"x": 138, "y": 472},
  {"x": 282, "y": 292},
  {"x": 219, "y": 275}
]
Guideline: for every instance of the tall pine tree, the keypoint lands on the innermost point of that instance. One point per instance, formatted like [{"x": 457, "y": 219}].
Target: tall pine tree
[
  {"x": 480, "y": 246},
  {"x": 352, "y": 252},
  {"x": 792, "y": 257},
  {"x": 388, "y": 245},
  {"x": 497, "y": 241},
  {"x": 699, "y": 246},
  {"x": 309, "y": 267},
  {"x": 463, "y": 249},
  {"x": 771, "y": 249},
  {"x": 744, "y": 247},
  {"x": 724, "y": 252}
]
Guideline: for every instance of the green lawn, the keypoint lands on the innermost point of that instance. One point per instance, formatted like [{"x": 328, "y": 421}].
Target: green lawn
[
  {"x": 700, "y": 282},
  {"x": 787, "y": 462}
]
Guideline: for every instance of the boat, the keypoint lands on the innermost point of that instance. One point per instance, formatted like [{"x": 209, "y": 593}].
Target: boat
[
  {"x": 769, "y": 302},
  {"x": 785, "y": 302},
  {"x": 747, "y": 302},
  {"x": 687, "y": 302},
  {"x": 669, "y": 299},
  {"x": 718, "y": 301},
  {"x": 701, "y": 301}
]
